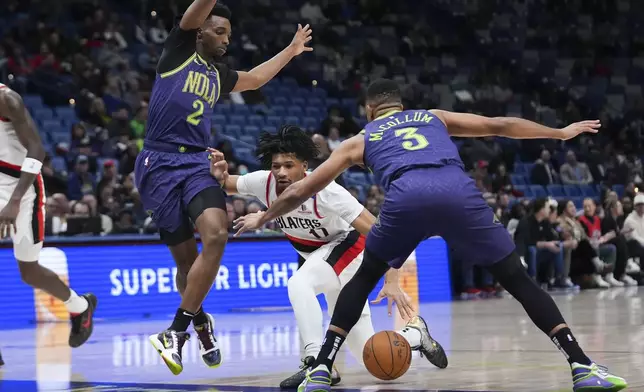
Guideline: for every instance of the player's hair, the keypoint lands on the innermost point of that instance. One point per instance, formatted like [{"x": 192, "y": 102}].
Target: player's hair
[
  {"x": 289, "y": 139},
  {"x": 222, "y": 11},
  {"x": 383, "y": 91}
]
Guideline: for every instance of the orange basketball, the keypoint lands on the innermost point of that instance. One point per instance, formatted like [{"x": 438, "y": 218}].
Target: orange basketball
[{"x": 387, "y": 355}]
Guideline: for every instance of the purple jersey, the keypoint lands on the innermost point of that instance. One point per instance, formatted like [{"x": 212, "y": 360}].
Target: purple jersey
[
  {"x": 403, "y": 140},
  {"x": 185, "y": 92}
]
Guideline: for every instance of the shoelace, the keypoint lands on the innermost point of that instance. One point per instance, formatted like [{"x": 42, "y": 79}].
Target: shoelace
[
  {"x": 206, "y": 337},
  {"x": 602, "y": 370}
]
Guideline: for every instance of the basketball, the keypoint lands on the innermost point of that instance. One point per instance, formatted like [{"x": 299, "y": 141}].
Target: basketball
[{"x": 387, "y": 355}]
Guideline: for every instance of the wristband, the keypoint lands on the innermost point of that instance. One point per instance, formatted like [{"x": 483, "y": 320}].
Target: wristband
[{"x": 30, "y": 165}]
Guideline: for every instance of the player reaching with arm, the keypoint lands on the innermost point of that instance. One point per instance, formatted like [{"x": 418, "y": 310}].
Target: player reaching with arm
[
  {"x": 22, "y": 199},
  {"x": 427, "y": 193},
  {"x": 172, "y": 170},
  {"x": 328, "y": 230}
]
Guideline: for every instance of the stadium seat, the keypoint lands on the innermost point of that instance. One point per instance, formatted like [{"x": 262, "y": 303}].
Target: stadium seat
[
  {"x": 517, "y": 179},
  {"x": 50, "y": 124},
  {"x": 278, "y": 110},
  {"x": 292, "y": 120},
  {"x": 571, "y": 190},
  {"x": 538, "y": 191},
  {"x": 619, "y": 189},
  {"x": 270, "y": 129},
  {"x": 310, "y": 123},
  {"x": 332, "y": 102},
  {"x": 223, "y": 108},
  {"x": 299, "y": 101},
  {"x": 316, "y": 102},
  {"x": 219, "y": 119},
  {"x": 248, "y": 139},
  {"x": 64, "y": 111},
  {"x": 237, "y": 119},
  {"x": 313, "y": 111},
  {"x": 555, "y": 190},
  {"x": 241, "y": 109},
  {"x": 43, "y": 114},
  {"x": 59, "y": 164},
  {"x": 233, "y": 130},
  {"x": 256, "y": 120},
  {"x": 318, "y": 92},
  {"x": 275, "y": 121},
  {"x": 33, "y": 102},
  {"x": 280, "y": 100},
  {"x": 251, "y": 130},
  {"x": 589, "y": 191},
  {"x": 294, "y": 110}
]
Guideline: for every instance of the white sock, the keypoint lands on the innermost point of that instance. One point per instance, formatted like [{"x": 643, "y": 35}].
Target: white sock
[
  {"x": 308, "y": 313},
  {"x": 412, "y": 335},
  {"x": 76, "y": 304}
]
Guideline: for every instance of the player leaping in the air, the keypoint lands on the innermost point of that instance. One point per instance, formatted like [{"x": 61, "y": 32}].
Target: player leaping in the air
[
  {"x": 328, "y": 230},
  {"x": 22, "y": 214},
  {"x": 428, "y": 193},
  {"x": 172, "y": 170}
]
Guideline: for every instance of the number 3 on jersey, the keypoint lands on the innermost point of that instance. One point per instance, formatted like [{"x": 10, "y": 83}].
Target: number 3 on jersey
[
  {"x": 195, "y": 117},
  {"x": 412, "y": 141}
]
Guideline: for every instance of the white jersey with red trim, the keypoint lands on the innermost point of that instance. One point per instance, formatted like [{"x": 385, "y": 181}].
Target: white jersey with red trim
[
  {"x": 11, "y": 150},
  {"x": 324, "y": 218}
]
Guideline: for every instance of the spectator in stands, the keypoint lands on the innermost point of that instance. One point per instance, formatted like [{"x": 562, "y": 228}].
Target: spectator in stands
[
  {"x": 138, "y": 123},
  {"x": 536, "y": 242},
  {"x": 611, "y": 224},
  {"x": 517, "y": 213},
  {"x": 574, "y": 172},
  {"x": 562, "y": 271},
  {"x": 634, "y": 229},
  {"x": 57, "y": 208},
  {"x": 585, "y": 260},
  {"x": 543, "y": 172},
  {"x": 80, "y": 181},
  {"x": 54, "y": 182},
  {"x": 323, "y": 148},
  {"x": 230, "y": 210},
  {"x": 239, "y": 206},
  {"x": 158, "y": 33},
  {"x": 482, "y": 177},
  {"x": 591, "y": 223},
  {"x": 125, "y": 223},
  {"x": 501, "y": 181},
  {"x": 334, "y": 138}
]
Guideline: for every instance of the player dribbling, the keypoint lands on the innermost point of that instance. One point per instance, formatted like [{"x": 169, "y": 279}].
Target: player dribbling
[{"x": 328, "y": 231}]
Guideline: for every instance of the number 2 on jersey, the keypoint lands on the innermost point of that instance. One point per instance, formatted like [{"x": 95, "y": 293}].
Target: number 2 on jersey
[
  {"x": 195, "y": 117},
  {"x": 412, "y": 141}
]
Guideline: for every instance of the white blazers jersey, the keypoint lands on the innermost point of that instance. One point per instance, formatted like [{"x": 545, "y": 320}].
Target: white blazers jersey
[
  {"x": 322, "y": 220},
  {"x": 30, "y": 223}
]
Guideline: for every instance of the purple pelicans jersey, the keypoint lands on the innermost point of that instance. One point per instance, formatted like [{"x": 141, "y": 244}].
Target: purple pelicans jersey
[
  {"x": 173, "y": 166},
  {"x": 427, "y": 192}
]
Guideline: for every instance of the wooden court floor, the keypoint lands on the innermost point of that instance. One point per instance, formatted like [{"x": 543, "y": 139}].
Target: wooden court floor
[{"x": 492, "y": 346}]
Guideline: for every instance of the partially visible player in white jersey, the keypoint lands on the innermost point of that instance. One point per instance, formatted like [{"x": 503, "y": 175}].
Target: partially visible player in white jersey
[
  {"x": 22, "y": 210},
  {"x": 328, "y": 231}
]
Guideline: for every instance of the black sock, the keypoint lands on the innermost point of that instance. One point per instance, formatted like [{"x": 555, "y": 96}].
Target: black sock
[
  {"x": 330, "y": 347},
  {"x": 567, "y": 344},
  {"x": 200, "y": 318},
  {"x": 182, "y": 320}
]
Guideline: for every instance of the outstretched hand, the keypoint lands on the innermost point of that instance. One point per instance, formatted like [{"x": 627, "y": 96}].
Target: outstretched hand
[
  {"x": 250, "y": 222},
  {"x": 395, "y": 294},
  {"x": 301, "y": 39},
  {"x": 574, "y": 129}
]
